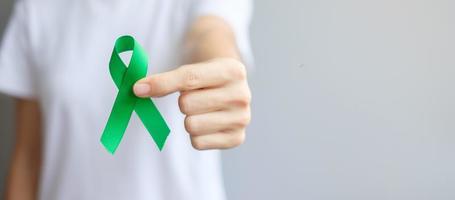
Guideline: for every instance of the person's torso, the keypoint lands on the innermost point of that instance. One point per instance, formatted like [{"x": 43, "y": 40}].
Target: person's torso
[{"x": 73, "y": 41}]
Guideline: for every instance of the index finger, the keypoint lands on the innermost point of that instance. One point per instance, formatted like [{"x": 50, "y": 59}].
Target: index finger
[{"x": 191, "y": 77}]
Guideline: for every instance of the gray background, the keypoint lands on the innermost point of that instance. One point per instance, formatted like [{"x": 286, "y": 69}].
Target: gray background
[{"x": 353, "y": 100}]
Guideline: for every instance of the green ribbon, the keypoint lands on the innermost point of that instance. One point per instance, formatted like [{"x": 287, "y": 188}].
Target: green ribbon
[{"x": 126, "y": 101}]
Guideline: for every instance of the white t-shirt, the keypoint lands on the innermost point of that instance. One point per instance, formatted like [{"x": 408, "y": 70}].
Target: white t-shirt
[{"x": 57, "y": 51}]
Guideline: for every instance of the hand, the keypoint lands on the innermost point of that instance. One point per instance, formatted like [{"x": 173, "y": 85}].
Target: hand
[{"x": 214, "y": 96}]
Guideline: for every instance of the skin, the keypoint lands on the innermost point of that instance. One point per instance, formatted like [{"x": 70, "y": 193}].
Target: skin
[
  {"x": 23, "y": 175},
  {"x": 214, "y": 93},
  {"x": 214, "y": 96}
]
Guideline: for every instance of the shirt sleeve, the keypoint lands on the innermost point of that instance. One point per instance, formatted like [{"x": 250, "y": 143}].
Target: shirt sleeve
[
  {"x": 237, "y": 13},
  {"x": 16, "y": 74}
]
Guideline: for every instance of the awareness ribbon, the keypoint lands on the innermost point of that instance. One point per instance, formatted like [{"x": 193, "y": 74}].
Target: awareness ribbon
[{"x": 124, "y": 78}]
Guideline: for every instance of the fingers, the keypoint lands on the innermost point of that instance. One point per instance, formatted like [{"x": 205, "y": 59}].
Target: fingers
[
  {"x": 211, "y": 100},
  {"x": 190, "y": 77},
  {"x": 221, "y": 140},
  {"x": 216, "y": 122},
  {"x": 214, "y": 96}
]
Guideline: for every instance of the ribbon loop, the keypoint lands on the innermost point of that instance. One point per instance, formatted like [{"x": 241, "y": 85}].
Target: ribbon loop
[{"x": 126, "y": 102}]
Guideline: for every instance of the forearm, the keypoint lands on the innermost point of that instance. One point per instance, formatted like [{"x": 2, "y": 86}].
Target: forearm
[
  {"x": 22, "y": 183},
  {"x": 210, "y": 37},
  {"x": 23, "y": 177}
]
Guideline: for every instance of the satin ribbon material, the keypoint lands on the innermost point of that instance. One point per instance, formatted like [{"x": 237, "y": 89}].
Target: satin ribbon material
[{"x": 124, "y": 78}]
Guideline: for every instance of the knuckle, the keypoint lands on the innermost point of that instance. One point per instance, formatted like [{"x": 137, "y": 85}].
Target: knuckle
[
  {"x": 243, "y": 120},
  {"x": 190, "y": 78},
  {"x": 236, "y": 69},
  {"x": 238, "y": 139},
  {"x": 244, "y": 98}
]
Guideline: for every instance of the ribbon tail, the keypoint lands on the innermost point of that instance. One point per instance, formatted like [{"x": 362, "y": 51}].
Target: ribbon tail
[
  {"x": 153, "y": 121},
  {"x": 117, "y": 122}
]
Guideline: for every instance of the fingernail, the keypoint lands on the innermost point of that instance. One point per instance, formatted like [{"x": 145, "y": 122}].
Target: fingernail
[{"x": 141, "y": 89}]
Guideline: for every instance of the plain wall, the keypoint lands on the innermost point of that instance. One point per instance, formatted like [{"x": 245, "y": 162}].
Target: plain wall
[{"x": 352, "y": 100}]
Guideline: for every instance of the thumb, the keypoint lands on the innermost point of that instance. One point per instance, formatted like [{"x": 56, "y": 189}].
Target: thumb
[{"x": 157, "y": 85}]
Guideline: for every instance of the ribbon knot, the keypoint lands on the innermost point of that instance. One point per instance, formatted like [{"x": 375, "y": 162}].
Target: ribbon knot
[{"x": 126, "y": 101}]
